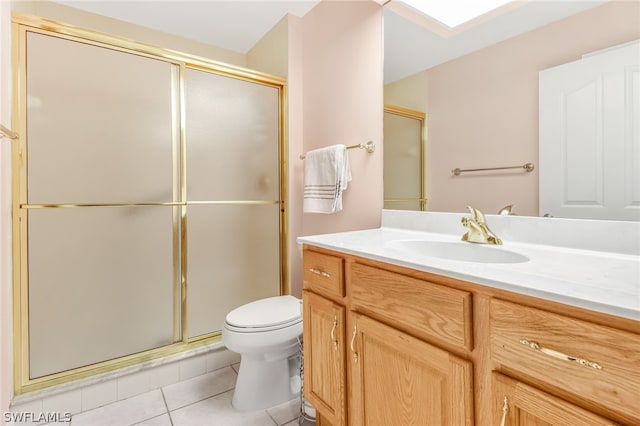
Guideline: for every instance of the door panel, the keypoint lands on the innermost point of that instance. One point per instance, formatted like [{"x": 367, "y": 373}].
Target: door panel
[
  {"x": 324, "y": 378},
  {"x": 401, "y": 380},
  {"x": 590, "y": 136},
  {"x": 517, "y": 404},
  {"x": 100, "y": 128}
]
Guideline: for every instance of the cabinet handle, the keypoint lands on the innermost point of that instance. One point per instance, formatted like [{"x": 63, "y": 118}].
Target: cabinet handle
[
  {"x": 505, "y": 410},
  {"x": 559, "y": 355},
  {"x": 333, "y": 333},
  {"x": 319, "y": 272},
  {"x": 353, "y": 340}
]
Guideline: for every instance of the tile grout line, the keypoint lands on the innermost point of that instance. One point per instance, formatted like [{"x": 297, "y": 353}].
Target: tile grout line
[
  {"x": 203, "y": 399},
  {"x": 271, "y": 417},
  {"x": 164, "y": 399},
  {"x": 200, "y": 400}
]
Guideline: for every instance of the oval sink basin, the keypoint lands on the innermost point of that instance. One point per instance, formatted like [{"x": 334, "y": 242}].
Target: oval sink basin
[{"x": 460, "y": 251}]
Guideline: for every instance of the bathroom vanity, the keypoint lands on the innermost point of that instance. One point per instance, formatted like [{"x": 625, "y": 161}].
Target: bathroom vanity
[{"x": 396, "y": 337}]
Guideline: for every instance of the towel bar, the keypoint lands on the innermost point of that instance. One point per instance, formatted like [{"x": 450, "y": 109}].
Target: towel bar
[
  {"x": 527, "y": 167},
  {"x": 369, "y": 146},
  {"x": 6, "y": 133}
]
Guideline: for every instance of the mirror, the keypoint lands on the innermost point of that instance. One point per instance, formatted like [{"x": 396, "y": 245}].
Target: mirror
[{"x": 478, "y": 85}]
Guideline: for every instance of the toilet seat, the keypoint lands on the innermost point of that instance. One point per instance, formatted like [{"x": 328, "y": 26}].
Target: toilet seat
[
  {"x": 266, "y": 333},
  {"x": 263, "y": 315}
]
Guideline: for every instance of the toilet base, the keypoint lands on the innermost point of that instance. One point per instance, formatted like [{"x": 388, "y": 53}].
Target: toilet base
[{"x": 263, "y": 383}]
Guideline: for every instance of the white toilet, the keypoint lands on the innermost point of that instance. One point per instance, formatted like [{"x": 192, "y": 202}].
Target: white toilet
[{"x": 265, "y": 333}]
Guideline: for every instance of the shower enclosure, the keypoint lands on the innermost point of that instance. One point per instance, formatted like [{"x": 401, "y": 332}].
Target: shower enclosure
[
  {"x": 404, "y": 159},
  {"x": 148, "y": 190}
]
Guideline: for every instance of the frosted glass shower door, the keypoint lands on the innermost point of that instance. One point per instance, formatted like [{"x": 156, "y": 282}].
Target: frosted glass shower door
[
  {"x": 403, "y": 161},
  {"x": 99, "y": 204},
  {"x": 232, "y": 168}
]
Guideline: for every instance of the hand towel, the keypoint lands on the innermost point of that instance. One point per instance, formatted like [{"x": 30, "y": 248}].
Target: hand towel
[{"x": 326, "y": 175}]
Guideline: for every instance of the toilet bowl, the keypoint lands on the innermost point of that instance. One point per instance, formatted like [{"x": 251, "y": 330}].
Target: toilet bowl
[{"x": 265, "y": 333}]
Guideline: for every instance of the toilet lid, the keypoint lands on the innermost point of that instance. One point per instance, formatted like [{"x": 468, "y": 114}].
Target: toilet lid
[{"x": 266, "y": 312}]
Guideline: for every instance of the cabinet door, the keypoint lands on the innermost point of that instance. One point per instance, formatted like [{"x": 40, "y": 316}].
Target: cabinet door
[
  {"x": 517, "y": 404},
  {"x": 400, "y": 380},
  {"x": 324, "y": 365}
]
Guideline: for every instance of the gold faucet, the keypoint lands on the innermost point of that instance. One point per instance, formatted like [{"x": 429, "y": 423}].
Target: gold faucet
[
  {"x": 478, "y": 231},
  {"x": 507, "y": 210}
]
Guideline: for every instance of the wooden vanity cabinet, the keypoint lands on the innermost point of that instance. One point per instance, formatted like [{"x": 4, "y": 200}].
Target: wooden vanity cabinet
[
  {"x": 397, "y": 379},
  {"x": 324, "y": 363},
  {"x": 596, "y": 363},
  {"x": 392, "y": 377},
  {"x": 516, "y": 403},
  {"x": 386, "y": 345},
  {"x": 324, "y": 319}
]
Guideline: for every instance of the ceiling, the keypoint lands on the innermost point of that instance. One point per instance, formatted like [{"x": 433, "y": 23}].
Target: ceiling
[
  {"x": 232, "y": 24},
  {"x": 413, "y": 42}
]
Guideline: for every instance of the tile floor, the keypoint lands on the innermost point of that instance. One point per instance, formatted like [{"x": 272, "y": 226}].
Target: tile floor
[{"x": 201, "y": 401}]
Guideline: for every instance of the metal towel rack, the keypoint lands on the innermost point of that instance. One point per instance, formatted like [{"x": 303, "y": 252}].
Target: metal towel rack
[
  {"x": 369, "y": 146},
  {"x": 6, "y": 133},
  {"x": 528, "y": 167}
]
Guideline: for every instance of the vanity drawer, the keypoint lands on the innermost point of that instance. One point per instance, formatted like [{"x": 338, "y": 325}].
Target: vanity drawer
[
  {"x": 415, "y": 305},
  {"x": 591, "y": 361},
  {"x": 323, "y": 273}
]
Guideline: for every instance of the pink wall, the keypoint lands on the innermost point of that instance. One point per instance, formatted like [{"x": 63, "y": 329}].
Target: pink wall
[
  {"x": 342, "y": 103},
  {"x": 483, "y": 109},
  {"x": 295, "y": 137}
]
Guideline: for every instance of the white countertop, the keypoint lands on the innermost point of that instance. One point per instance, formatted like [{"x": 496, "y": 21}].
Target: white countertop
[{"x": 601, "y": 281}]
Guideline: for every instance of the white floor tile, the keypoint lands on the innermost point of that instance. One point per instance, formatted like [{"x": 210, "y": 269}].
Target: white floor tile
[
  {"x": 304, "y": 423},
  {"x": 199, "y": 388},
  {"x": 286, "y": 412},
  {"x": 217, "y": 411},
  {"x": 125, "y": 412},
  {"x": 162, "y": 420}
]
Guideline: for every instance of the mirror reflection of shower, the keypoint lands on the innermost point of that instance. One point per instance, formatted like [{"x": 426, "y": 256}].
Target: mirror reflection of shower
[{"x": 404, "y": 185}]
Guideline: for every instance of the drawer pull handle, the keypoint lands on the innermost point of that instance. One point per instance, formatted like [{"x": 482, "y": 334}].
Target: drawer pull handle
[
  {"x": 319, "y": 272},
  {"x": 333, "y": 333},
  {"x": 559, "y": 355},
  {"x": 353, "y": 341},
  {"x": 505, "y": 410}
]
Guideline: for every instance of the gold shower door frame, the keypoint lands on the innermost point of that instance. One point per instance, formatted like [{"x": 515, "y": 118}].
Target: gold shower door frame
[
  {"x": 421, "y": 118},
  {"x": 21, "y": 25}
]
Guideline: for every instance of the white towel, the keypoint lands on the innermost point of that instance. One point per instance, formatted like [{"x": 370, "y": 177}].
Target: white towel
[{"x": 326, "y": 175}]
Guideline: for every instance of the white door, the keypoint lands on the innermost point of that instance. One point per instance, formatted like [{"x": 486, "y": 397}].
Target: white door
[{"x": 590, "y": 136}]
